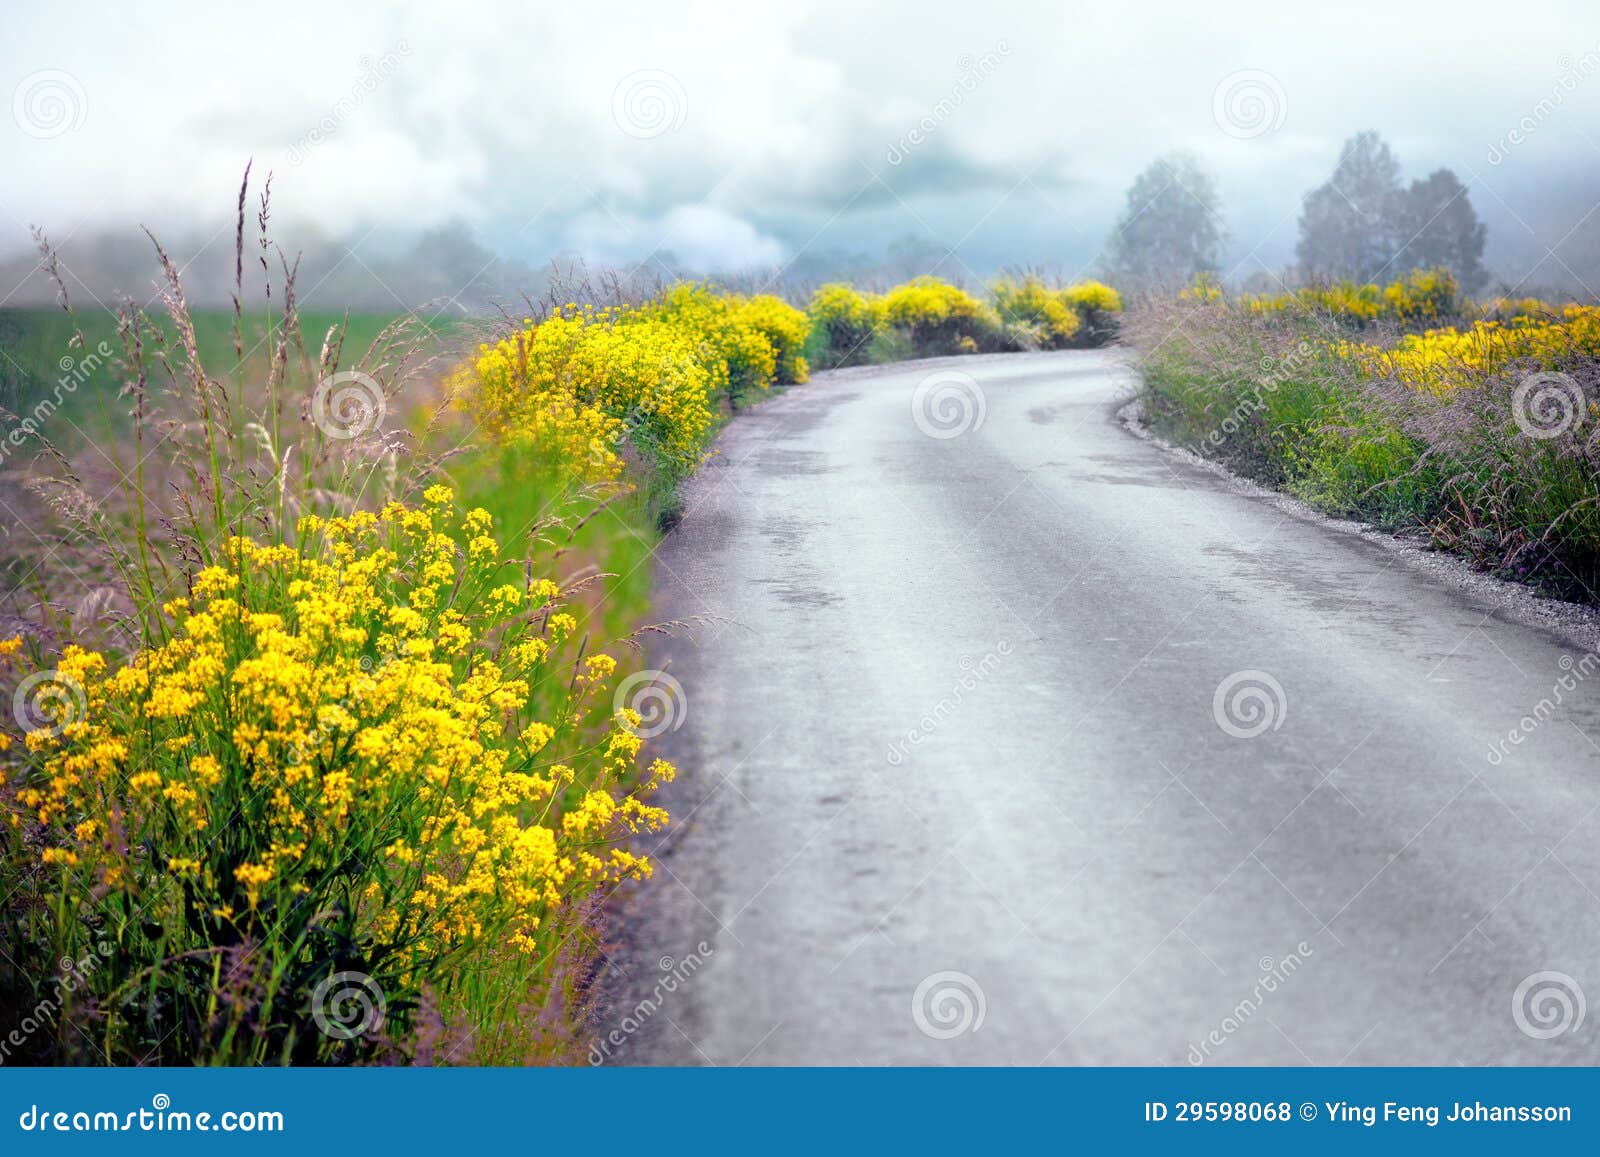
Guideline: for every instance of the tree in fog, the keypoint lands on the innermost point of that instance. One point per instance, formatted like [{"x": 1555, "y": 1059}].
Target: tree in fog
[
  {"x": 1438, "y": 226},
  {"x": 1362, "y": 225},
  {"x": 1348, "y": 224},
  {"x": 1171, "y": 227}
]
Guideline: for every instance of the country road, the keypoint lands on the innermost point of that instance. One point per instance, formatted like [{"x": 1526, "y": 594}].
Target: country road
[{"x": 960, "y": 786}]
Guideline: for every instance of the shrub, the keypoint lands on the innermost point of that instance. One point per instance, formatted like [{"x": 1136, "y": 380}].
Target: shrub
[
  {"x": 737, "y": 355},
  {"x": 1098, "y": 305},
  {"x": 844, "y": 322},
  {"x": 939, "y": 318},
  {"x": 786, "y": 328},
  {"x": 1203, "y": 287},
  {"x": 1034, "y": 316},
  {"x": 1425, "y": 295},
  {"x": 346, "y": 759},
  {"x": 1344, "y": 302},
  {"x": 1506, "y": 309},
  {"x": 583, "y": 381}
]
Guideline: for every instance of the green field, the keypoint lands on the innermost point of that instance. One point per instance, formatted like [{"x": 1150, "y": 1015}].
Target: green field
[{"x": 35, "y": 342}]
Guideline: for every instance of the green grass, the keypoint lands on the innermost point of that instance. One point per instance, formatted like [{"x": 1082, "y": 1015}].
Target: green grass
[
  {"x": 34, "y": 342},
  {"x": 615, "y": 542},
  {"x": 1271, "y": 399}
]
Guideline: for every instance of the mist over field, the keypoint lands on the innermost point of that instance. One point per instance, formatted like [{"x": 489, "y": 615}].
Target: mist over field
[{"x": 454, "y": 154}]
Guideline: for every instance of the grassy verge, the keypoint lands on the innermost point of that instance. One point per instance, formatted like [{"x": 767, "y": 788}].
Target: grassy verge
[
  {"x": 1478, "y": 434},
  {"x": 322, "y": 752}
]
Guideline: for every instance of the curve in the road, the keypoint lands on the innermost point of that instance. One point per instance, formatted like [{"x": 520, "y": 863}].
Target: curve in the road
[{"x": 1034, "y": 744}]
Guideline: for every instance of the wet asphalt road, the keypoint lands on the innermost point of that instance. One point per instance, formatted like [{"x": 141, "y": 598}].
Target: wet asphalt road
[{"x": 956, "y": 791}]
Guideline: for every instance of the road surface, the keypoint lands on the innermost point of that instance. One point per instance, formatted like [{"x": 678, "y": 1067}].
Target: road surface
[{"x": 1011, "y": 738}]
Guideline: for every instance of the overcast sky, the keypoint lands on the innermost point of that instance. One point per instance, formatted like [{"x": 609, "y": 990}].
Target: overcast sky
[{"x": 741, "y": 134}]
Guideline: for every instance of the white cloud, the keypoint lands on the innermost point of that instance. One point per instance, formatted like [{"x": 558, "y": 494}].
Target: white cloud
[{"x": 502, "y": 114}]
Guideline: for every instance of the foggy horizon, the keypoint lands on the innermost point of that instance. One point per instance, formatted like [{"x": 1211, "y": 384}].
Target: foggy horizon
[{"x": 642, "y": 144}]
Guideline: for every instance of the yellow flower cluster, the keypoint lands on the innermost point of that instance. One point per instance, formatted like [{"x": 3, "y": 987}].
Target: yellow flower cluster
[
  {"x": 1440, "y": 360},
  {"x": 1422, "y": 296},
  {"x": 786, "y": 328},
  {"x": 579, "y": 383},
  {"x": 846, "y": 320},
  {"x": 928, "y": 316},
  {"x": 1091, "y": 296},
  {"x": 343, "y": 746},
  {"x": 935, "y": 313},
  {"x": 1037, "y": 315},
  {"x": 1204, "y": 287},
  {"x": 583, "y": 381}
]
